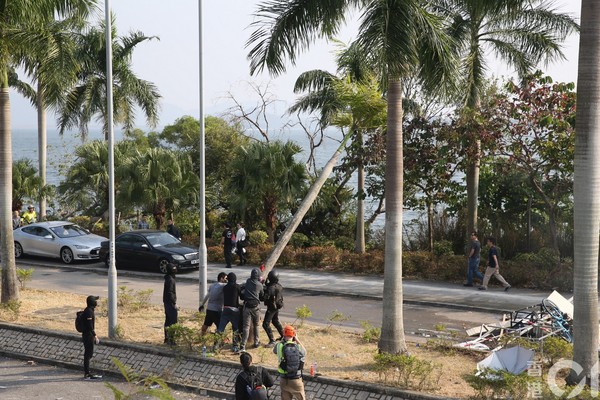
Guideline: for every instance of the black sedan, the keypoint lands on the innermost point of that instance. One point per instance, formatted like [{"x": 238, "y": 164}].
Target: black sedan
[{"x": 150, "y": 249}]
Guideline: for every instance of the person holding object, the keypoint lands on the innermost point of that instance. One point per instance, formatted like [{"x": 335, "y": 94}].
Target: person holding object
[
  {"x": 493, "y": 267},
  {"x": 89, "y": 337},
  {"x": 170, "y": 301},
  {"x": 290, "y": 359},
  {"x": 215, "y": 303}
]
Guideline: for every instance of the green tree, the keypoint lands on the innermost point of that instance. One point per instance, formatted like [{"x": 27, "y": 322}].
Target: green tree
[
  {"x": 266, "y": 177},
  {"x": 587, "y": 195},
  {"x": 86, "y": 99},
  {"x": 521, "y": 33},
  {"x": 158, "y": 180},
  {"x": 27, "y": 184},
  {"x": 20, "y": 35},
  {"x": 404, "y": 39}
]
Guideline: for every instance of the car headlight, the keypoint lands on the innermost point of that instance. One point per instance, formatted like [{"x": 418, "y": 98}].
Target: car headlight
[
  {"x": 81, "y": 247},
  {"x": 178, "y": 257}
]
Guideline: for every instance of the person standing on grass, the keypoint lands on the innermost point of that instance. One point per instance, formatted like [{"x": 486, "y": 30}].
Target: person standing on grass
[
  {"x": 493, "y": 267},
  {"x": 89, "y": 337},
  {"x": 274, "y": 302},
  {"x": 231, "y": 310},
  {"x": 170, "y": 301},
  {"x": 290, "y": 360},
  {"x": 227, "y": 242},
  {"x": 215, "y": 303},
  {"x": 253, "y": 295},
  {"x": 473, "y": 267}
]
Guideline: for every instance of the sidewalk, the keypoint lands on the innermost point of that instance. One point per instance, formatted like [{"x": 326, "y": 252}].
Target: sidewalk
[{"x": 430, "y": 293}]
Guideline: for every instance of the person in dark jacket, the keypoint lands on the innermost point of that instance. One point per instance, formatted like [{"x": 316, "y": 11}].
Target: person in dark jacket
[
  {"x": 243, "y": 379},
  {"x": 273, "y": 292},
  {"x": 89, "y": 336},
  {"x": 231, "y": 309},
  {"x": 227, "y": 242},
  {"x": 173, "y": 229},
  {"x": 253, "y": 295},
  {"x": 170, "y": 300}
]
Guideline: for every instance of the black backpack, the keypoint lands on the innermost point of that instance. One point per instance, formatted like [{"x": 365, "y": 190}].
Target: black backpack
[
  {"x": 291, "y": 361},
  {"x": 254, "y": 386},
  {"x": 79, "y": 321},
  {"x": 279, "y": 299}
]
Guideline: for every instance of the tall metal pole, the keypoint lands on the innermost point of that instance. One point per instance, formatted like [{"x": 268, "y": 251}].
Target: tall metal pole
[
  {"x": 202, "y": 251},
  {"x": 112, "y": 270}
]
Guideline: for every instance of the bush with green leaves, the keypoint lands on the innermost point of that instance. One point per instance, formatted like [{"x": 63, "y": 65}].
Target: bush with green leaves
[
  {"x": 10, "y": 310},
  {"x": 442, "y": 248},
  {"x": 142, "y": 387},
  {"x": 129, "y": 300},
  {"x": 302, "y": 313},
  {"x": 371, "y": 333},
  {"x": 407, "y": 371},
  {"x": 500, "y": 384},
  {"x": 336, "y": 317},
  {"x": 256, "y": 238},
  {"x": 299, "y": 240},
  {"x": 554, "y": 348},
  {"x": 24, "y": 275}
]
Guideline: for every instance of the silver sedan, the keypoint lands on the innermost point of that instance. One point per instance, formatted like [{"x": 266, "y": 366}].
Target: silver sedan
[{"x": 58, "y": 239}]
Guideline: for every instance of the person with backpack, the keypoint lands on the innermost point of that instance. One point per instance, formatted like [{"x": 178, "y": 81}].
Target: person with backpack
[
  {"x": 252, "y": 382},
  {"x": 290, "y": 360},
  {"x": 170, "y": 301},
  {"x": 231, "y": 309},
  {"x": 274, "y": 302},
  {"x": 253, "y": 295},
  {"x": 88, "y": 336}
]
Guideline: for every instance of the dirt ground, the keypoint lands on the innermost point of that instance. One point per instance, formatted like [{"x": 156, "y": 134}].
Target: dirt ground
[{"x": 338, "y": 353}]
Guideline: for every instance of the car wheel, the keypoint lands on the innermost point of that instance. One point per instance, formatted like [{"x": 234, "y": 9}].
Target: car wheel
[
  {"x": 18, "y": 250},
  {"x": 66, "y": 255},
  {"x": 163, "y": 265}
]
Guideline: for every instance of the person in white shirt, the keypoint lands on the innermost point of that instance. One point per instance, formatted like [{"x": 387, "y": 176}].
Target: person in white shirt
[{"x": 241, "y": 242}]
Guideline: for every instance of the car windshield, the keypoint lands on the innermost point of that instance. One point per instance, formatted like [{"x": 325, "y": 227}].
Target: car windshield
[
  {"x": 68, "y": 231},
  {"x": 161, "y": 239}
]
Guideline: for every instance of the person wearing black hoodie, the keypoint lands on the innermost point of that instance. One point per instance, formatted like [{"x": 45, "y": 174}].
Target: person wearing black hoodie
[
  {"x": 244, "y": 379},
  {"x": 273, "y": 301},
  {"x": 253, "y": 295},
  {"x": 231, "y": 308},
  {"x": 170, "y": 300},
  {"x": 88, "y": 336}
]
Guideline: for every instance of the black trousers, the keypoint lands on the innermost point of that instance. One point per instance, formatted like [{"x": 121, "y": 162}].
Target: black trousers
[
  {"x": 227, "y": 254},
  {"x": 272, "y": 316},
  {"x": 88, "y": 351},
  {"x": 170, "y": 319},
  {"x": 240, "y": 251}
]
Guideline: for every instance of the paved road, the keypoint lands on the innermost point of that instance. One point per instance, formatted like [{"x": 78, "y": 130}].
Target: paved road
[
  {"x": 426, "y": 303},
  {"x": 27, "y": 380}
]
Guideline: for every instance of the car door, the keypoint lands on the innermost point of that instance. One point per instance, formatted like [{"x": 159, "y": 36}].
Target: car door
[
  {"x": 142, "y": 253},
  {"x": 48, "y": 243},
  {"x": 122, "y": 249}
]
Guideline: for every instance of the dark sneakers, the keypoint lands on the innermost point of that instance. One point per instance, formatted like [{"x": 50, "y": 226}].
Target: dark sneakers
[
  {"x": 506, "y": 289},
  {"x": 92, "y": 377},
  {"x": 468, "y": 284},
  {"x": 482, "y": 288}
]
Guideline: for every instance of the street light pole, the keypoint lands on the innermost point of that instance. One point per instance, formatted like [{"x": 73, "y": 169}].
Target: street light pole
[
  {"x": 112, "y": 270},
  {"x": 202, "y": 267}
]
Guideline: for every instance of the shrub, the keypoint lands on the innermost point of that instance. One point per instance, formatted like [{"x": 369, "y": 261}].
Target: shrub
[
  {"x": 371, "y": 333},
  {"x": 500, "y": 384},
  {"x": 442, "y": 248},
  {"x": 287, "y": 257},
  {"x": 303, "y": 313},
  {"x": 130, "y": 301},
  {"x": 299, "y": 240},
  {"x": 11, "y": 309},
  {"x": 24, "y": 276},
  {"x": 257, "y": 237},
  {"x": 315, "y": 257},
  {"x": 215, "y": 254},
  {"x": 345, "y": 243},
  {"x": 407, "y": 371},
  {"x": 554, "y": 348}
]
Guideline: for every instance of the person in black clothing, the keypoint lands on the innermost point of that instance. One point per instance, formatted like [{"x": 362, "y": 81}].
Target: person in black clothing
[
  {"x": 273, "y": 292},
  {"x": 231, "y": 309},
  {"x": 227, "y": 243},
  {"x": 89, "y": 337},
  {"x": 173, "y": 229},
  {"x": 242, "y": 381},
  {"x": 170, "y": 301},
  {"x": 253, "y": 295}
]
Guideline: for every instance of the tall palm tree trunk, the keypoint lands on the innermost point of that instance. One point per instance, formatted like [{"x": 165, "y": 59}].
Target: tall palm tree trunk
[
  {"x": 587, "y": 192},
  {"x": 359, "y": 246},
  {"x": 473, "y": 188},
  {"x": 42, "y": 147},
  {"x": 10, "y": 289},
  {"x": 392, "y": 327}
]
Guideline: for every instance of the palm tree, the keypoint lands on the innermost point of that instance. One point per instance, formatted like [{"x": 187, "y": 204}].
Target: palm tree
[
  {"x": 266, "y": 176},
  {"x": 27, "y": 184},
  {"x": 522, "y": 33},
  {"x": 87, "y": 98},
  {"x": 586, "y": 194},
  {"x": 405, "y": 40},
  {"x": 20, "y": 21},
  {"x": 158, "y": 180}
]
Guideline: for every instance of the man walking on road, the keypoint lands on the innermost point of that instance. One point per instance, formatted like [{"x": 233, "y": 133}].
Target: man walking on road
[
  {"x": 170, "y": 301},
  {"x": 473, "y": 267},
  {"x": 493, "y": 267},
  {"x": 88, "y": 336}
]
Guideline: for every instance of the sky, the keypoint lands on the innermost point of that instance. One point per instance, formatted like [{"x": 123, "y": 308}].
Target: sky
[{"x": 172, "y": 61}]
